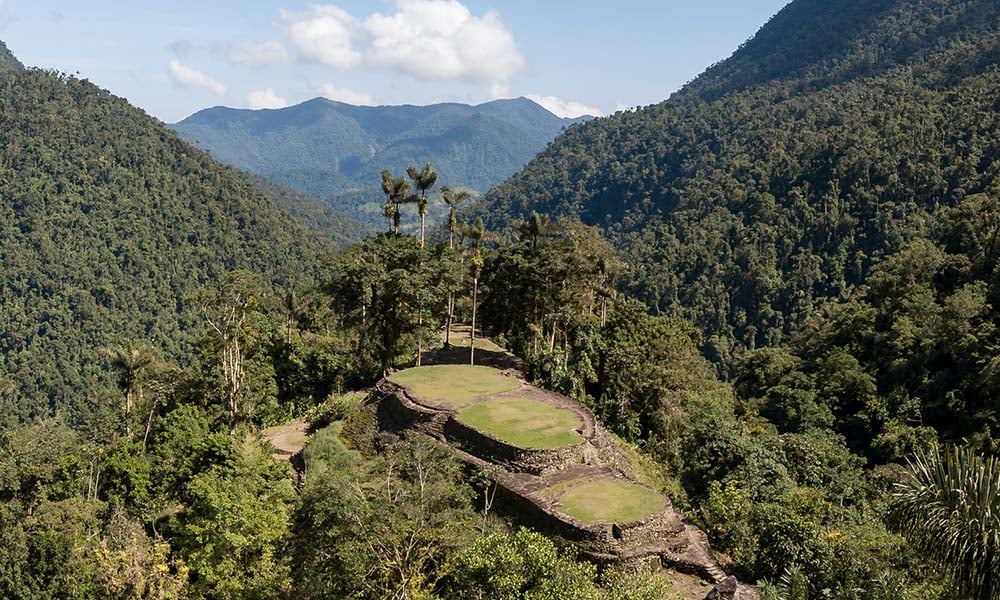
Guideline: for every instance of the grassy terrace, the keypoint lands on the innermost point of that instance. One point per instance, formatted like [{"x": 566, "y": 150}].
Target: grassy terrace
[
  {"x": 524, "y": 423},
  {"x": 454, "y": 386},
  {"x": 609, "y": 501}
]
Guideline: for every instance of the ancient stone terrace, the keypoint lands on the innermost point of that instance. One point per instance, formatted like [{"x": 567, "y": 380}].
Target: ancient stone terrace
[{"x": 555, "y": 468}]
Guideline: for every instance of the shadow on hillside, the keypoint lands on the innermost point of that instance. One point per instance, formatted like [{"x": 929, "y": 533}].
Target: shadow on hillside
[
  {"x": 459, "y": 355},
  {"x": 488, "y": 354}
]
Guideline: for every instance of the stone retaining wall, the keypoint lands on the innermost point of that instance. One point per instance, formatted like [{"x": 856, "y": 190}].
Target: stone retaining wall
[
  {"x": 665, "y": 537},
  {"x": 511, "y": 457}
]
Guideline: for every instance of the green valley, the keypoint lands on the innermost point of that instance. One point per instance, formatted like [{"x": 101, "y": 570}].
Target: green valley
[
  {"x": 334, "y": 151},
  {"x": 740, "y": 344}
]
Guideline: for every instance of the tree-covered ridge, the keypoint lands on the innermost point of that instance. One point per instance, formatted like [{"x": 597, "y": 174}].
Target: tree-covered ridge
[
  {"x": 335, "y": 151},
  {"x": 318, "y": 216},
  {"x": 108, "y": 224},
  {"x": 8, "y": 62},
  {"x": 814, "y": 43},
  {"x": 745, "y": 211}
]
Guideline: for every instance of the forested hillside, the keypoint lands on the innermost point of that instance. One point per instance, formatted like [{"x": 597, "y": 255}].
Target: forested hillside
[
  {"x": 780, "y": 177},
  {"x": 318, "y": 216},
  {"x": 109, "y": 223},
  {"x": 8, "y": 62},
  {"x": 819, "y": 215},
  {"x": 335, "y": 151}
]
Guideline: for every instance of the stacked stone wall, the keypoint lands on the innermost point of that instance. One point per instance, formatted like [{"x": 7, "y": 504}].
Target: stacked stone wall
[{"x": 665, "y": 537}]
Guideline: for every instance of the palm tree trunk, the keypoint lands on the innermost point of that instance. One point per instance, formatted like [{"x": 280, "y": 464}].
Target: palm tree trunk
[
  {"x": 128, "y": 415},
  {"x": 420, "y": 324},
  {"x": 472, "y": 332},
  {"x": 447, "y": 326},
  {"x": 149, "y": 425},
  {"x": 422, "y": 231}
]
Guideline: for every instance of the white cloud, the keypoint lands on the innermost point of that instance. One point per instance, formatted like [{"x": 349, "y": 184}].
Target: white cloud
[
  {"x": 252, "y": 53},
  {"x": 191, "y": 78},
  {"x": 566, "y": 108},
  {"x": 499, "y": 89},
  {"x": 442, "y": 40},
  {"x": 430, "y": 40},
  {"x": 265, "y": 99},
  {"x": 347, "y": 96},
  {"x": 324, "y": 34}
]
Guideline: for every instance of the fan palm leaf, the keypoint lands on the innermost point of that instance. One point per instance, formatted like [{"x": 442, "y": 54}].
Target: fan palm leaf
[{"x": 949, "y": 507}]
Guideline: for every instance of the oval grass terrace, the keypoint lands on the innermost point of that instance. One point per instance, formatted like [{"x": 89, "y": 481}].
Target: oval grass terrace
[
  {"x": 607, "y": 500},
  {"x": 454, "y": 387},
  {"x": 497, "y": 405},
  {"x": 525, "y": 423},
  {"x": 555, "y": 468}
]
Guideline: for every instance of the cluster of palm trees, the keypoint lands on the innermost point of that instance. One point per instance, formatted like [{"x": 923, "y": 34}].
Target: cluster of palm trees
[{"x": 413, "y": 189}]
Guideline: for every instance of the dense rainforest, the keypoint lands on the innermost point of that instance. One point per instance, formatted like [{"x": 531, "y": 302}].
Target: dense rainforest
[
  {"x": 779, "y": 178},
  {"x": 109, "y": 223},
  {"x": 823, "y": 207},
  {"x": 776, "y": 289},
  {"x": 317, "y": 216}
]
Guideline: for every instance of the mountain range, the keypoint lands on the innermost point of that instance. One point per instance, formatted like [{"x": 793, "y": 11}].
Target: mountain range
[{"x": 335, "y": 151}]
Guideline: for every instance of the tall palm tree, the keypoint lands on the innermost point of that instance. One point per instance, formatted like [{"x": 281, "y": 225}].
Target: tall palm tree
[
  {"x": 130, "y": 361},
  {"x": 477, "y": 235},
  {"x": 949, "y": 507},
  {"x": 388, "y": 188},
  {"x": 423, "y": 181},
  {"x": 453, "y": 198},
  {"x": 397, "y": 191}
]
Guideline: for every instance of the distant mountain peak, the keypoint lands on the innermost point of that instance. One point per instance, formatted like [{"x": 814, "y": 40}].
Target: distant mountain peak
[{"x": 335, "y": 151}]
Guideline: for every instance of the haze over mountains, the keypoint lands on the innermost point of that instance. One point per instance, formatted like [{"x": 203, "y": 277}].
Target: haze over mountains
[
  {"x": 8, "y": 62},
  {"x": 335, "y": 151}
]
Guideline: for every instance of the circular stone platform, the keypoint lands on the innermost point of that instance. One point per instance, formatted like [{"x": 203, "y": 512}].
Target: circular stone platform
[
  {"x": 454, "y": 386},
  {"x": 608, "y": 500},
  {"x": 525, "y": 423}
]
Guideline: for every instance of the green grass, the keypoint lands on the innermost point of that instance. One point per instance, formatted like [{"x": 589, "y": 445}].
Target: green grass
[
  {"x": 610, "y": 501},
  {"x": 460, "y": 339},
  {"x": 525, "y": 423},
  {"x": 454, "y": 386}
]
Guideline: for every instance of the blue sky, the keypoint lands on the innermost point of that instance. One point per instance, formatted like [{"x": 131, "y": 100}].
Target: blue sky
[{"x": 174, "y": 58}]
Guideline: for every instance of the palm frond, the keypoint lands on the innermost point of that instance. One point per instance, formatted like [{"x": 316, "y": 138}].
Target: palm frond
[{"x": 949, "y": 507}]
